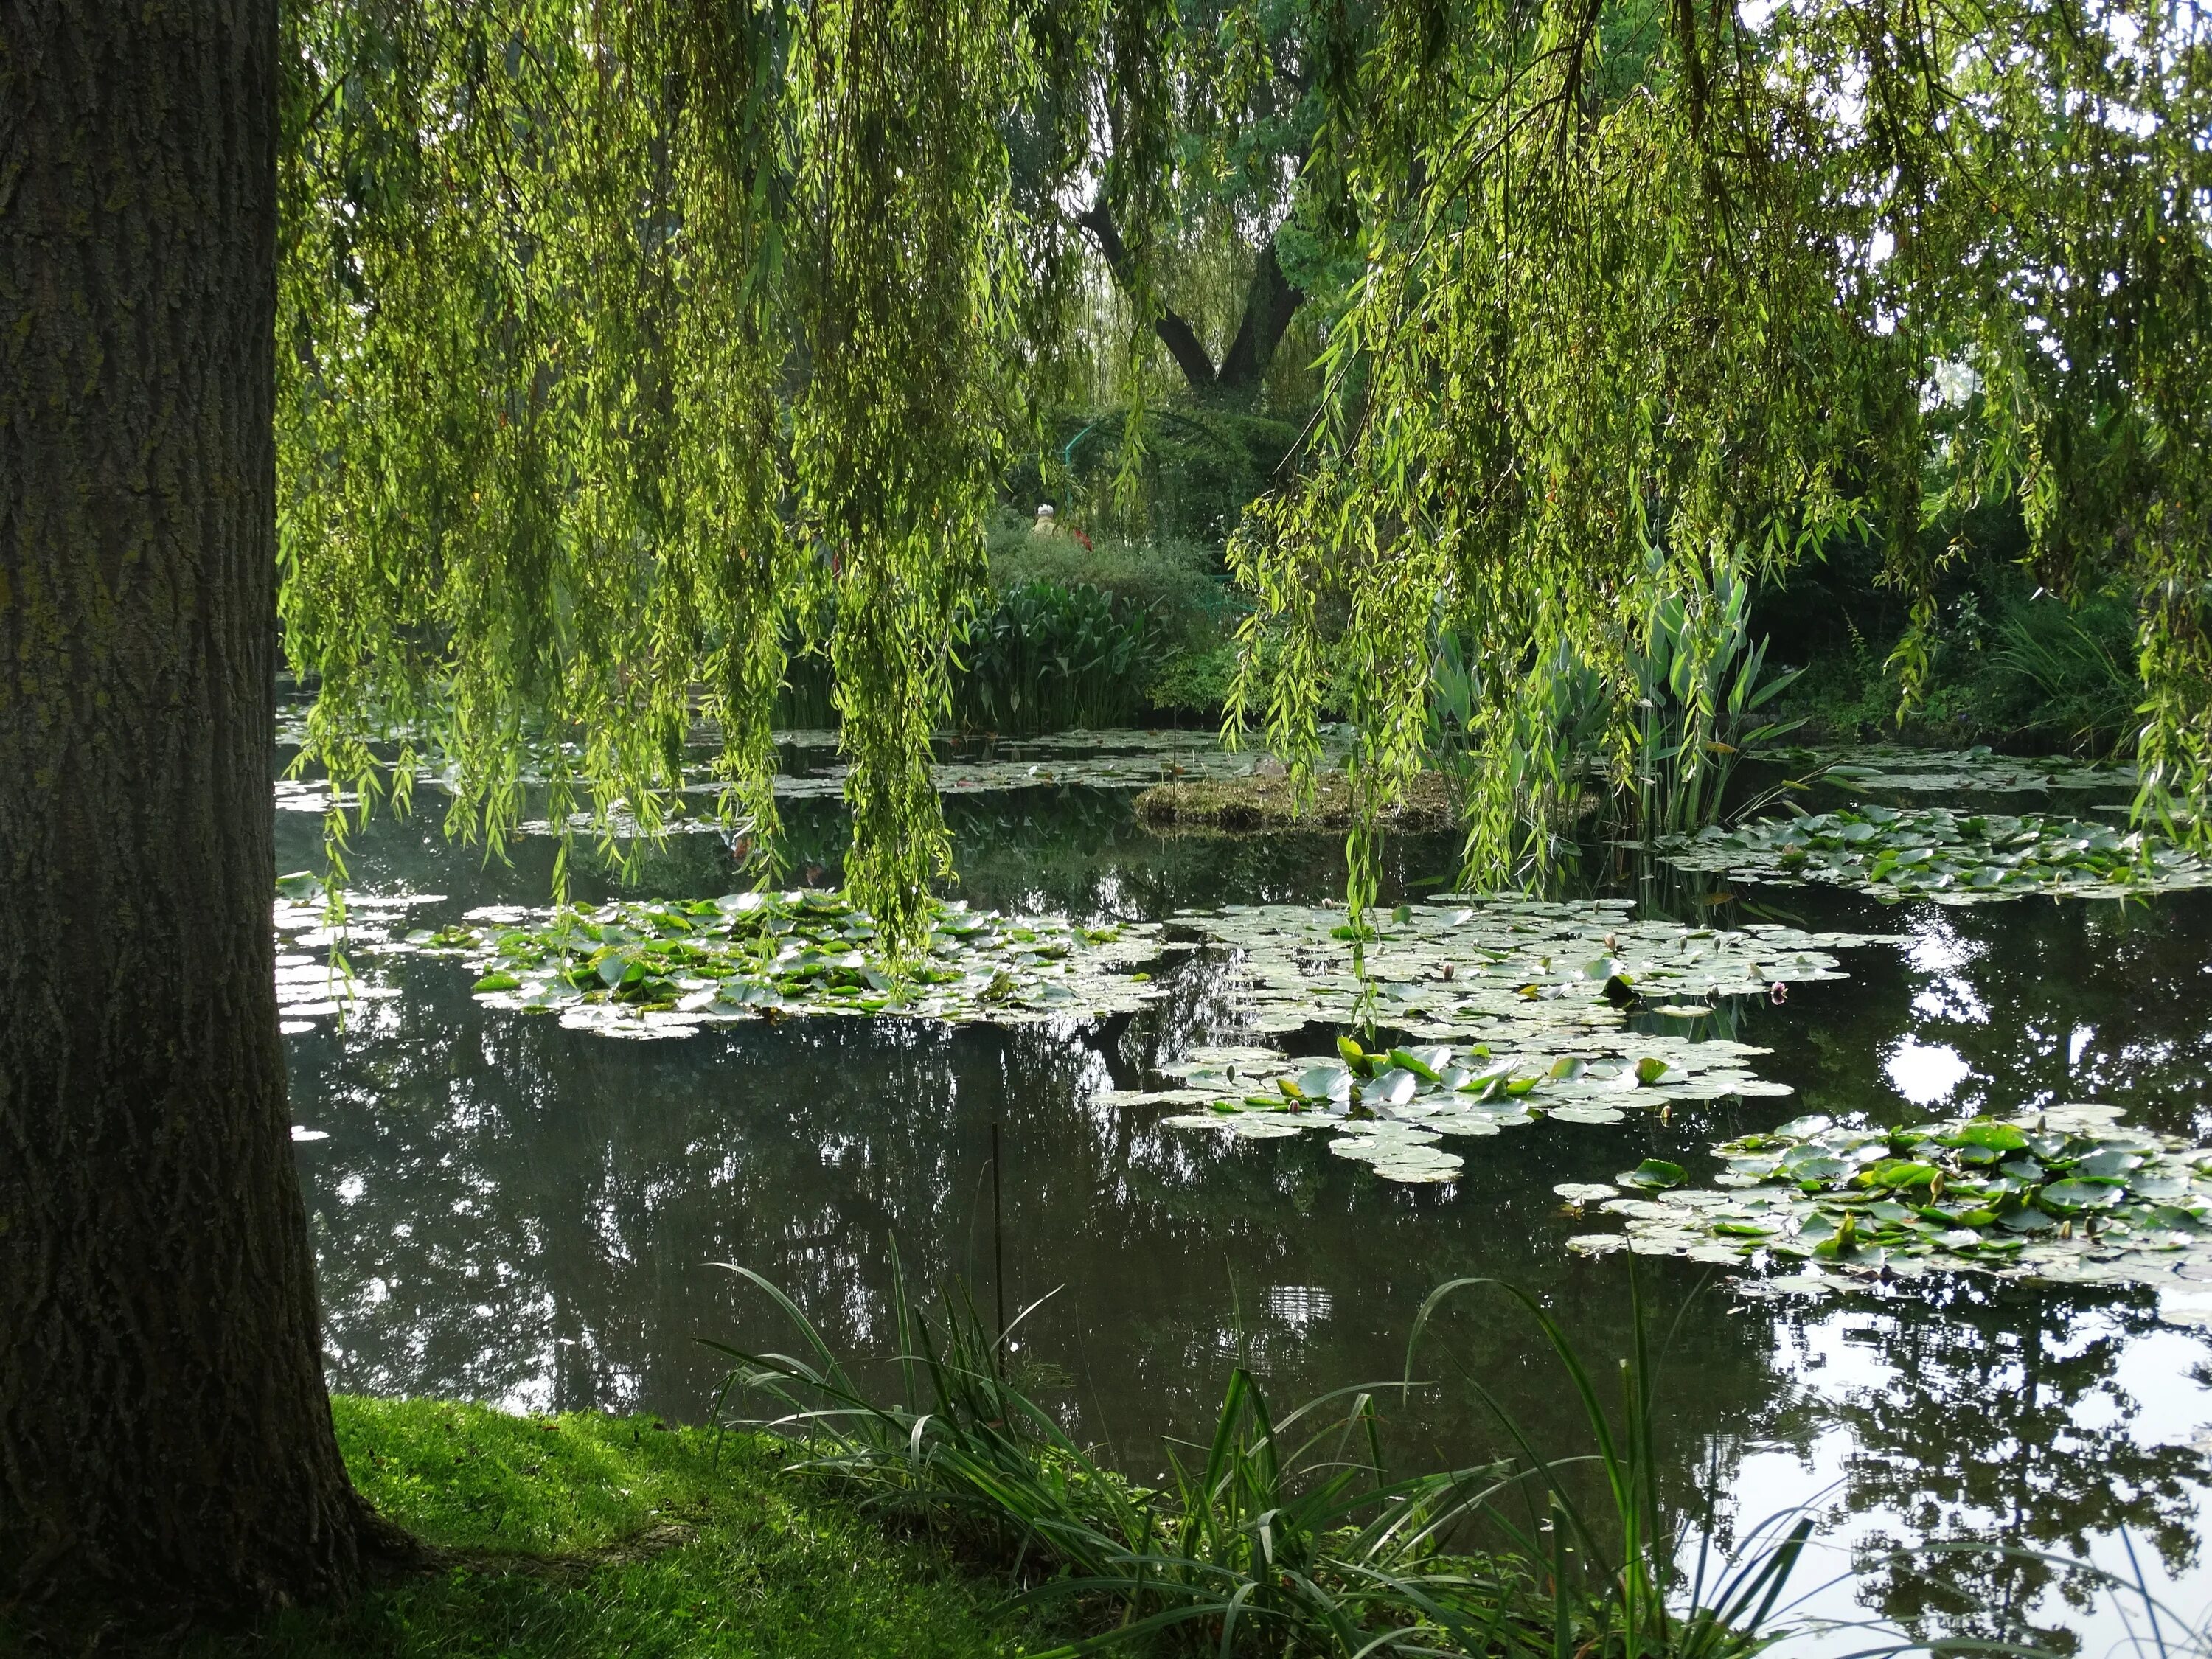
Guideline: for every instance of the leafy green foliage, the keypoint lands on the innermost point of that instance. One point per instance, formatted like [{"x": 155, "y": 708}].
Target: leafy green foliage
[
  {"x": 1288, "y": 1535},
  {"x": 618, "y": 340},
  {"x": 1046, "y": 657},
  {"x": 1669, "y": 739},
  {"x": 621, "y": 340},
  {"x": 1654, "y": 295}
]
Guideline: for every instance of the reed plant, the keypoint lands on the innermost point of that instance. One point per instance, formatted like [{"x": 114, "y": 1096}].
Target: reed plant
[
  {"x": 1281, "y": 1534},
  {"x": 1046, "y": 657},
  {"x": 1693, "y": 707}
]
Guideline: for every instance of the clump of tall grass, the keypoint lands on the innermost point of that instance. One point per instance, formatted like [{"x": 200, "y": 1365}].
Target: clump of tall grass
[
  {"x": 1282, "y": 1535},
  {"x": 2068, "y": 671}
]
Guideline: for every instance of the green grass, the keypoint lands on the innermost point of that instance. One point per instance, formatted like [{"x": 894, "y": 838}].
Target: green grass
[{"x": 593, "y": 1535}]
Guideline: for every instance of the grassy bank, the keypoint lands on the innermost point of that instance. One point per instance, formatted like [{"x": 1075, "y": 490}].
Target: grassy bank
[{"x": 588, "y": 1535}]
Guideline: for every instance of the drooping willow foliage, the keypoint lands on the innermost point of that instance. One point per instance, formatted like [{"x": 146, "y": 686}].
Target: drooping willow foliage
[
  {"x": 1653, "y": 292},
  {"x": 621, "y": 343}
]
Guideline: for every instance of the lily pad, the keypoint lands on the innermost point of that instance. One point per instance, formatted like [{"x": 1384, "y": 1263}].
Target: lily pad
[
  {"x": 1951, "y": 857},
  {"x": 2102, "y": 1203}
]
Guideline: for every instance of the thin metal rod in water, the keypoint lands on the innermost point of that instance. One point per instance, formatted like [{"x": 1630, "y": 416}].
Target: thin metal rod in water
[{"x": 998, "y": 1247}]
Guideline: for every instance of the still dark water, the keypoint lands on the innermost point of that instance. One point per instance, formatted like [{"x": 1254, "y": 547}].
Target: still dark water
[{"x": 509, "y": 1212}]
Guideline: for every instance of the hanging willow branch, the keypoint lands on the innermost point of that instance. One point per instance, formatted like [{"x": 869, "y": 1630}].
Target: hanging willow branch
[
  {"x": 622, "y": 344},
  {"x": 1651, "y": 295}
]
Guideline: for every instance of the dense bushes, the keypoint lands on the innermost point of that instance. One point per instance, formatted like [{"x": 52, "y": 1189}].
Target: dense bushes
[
  {"x": 1074, "y": 632},
  {"x": 1047, "y": 657}
]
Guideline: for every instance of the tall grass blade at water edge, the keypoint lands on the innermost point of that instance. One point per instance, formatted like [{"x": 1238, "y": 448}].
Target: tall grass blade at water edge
[
  {"x": 1620, "y": 1594},
  {"x": 1276, "y": 1536}
]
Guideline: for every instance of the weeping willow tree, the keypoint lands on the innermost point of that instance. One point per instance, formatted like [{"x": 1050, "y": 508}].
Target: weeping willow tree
[
  {"x": 1654, "y": 291},
  {"x": 559, "y": 356},
  {"x": 622, "y": 344}
]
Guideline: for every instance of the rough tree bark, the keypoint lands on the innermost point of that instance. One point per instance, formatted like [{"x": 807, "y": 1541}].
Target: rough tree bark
[{"x": 165, "y": 1434}]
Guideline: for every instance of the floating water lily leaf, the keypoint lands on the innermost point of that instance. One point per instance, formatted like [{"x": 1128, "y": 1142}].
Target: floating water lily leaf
[
  {"x": 1589, "y": 1112},
  {"x": 2082, "y": 1195},
  {"x": 2101, "y": 1203},
  {"x": 1655, "y": 1173},
  {"x": 1585, "y": 1192},
  {"x": 1951, "y": 857}
]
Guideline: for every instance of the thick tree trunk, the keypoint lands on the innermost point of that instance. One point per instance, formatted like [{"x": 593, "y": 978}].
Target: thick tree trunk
[
  {"x": 1270, "y": 301},
  {"x": 165, "y": 1435},
  {"x": 1269, "y": 304}
]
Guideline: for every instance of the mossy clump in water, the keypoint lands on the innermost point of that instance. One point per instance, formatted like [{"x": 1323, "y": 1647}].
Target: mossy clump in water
[{"x": 1267, "y": 800}]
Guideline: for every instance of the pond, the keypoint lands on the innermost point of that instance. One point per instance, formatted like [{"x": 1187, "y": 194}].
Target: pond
[{"x": 510, "y": 1209}]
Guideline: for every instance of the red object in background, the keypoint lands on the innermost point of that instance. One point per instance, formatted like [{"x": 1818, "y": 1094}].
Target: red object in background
[{"x": 1080, "y": 537}]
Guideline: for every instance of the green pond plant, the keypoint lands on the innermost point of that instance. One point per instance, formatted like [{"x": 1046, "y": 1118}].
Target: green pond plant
[
  {"x": 1951, "y": 857},
  {"x": 2065, "y": 1193},
  {"x": 1981, "y": 770},
  {"x": 1284, "y": 1534},
  {"x": 1389, "y": 1109},
  {"x": 646, "y": 969}
]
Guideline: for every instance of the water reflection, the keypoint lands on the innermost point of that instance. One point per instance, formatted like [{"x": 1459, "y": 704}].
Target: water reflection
[{"x": 507, "y": 1210}]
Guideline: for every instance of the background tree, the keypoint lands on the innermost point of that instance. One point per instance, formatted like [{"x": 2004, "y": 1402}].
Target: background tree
[{"x": 1242, "y": 228}]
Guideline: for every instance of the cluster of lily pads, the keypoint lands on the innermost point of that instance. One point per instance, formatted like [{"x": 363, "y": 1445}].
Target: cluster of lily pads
[
  {"x": 1521, "y": 970},
  {"x": 1516, "y": 1010},
  {"x": 1390, "y": 1108},
  {"x": 310, "y": 986},
  {"x": 1953, "y": 858},
  {"x": 1106, "y": 760},
  {"x": 1978, "y": 770},
  {"x": 666, "y": 969},
  {"x": 2068, "y": 1193}
]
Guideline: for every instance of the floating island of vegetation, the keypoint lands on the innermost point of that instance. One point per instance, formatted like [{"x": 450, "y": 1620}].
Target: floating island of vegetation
[
  {"x": 1264, "y": 800},
  {"x": 2066, "y": 1194},
  {"x": 1953, "y": 858}
]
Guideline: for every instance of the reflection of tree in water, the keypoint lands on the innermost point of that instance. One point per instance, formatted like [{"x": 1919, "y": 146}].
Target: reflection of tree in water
[
  {"x": 511, "y": 1211},
  {"x": 2051, "y": 1000},
  {"x": 2000, "y": 1418}
]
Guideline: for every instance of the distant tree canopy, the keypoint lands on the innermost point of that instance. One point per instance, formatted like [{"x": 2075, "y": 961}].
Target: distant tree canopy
[{"x": 616, "y": 340}]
